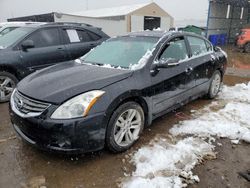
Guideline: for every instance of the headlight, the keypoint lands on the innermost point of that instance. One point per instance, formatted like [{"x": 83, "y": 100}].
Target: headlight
[{"x": 78, "y": 106}]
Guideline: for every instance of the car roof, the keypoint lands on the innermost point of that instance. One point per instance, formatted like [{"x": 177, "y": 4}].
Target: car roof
[
  {"x": 160, "y": 34},
  {"x": 8, "y": 24}
]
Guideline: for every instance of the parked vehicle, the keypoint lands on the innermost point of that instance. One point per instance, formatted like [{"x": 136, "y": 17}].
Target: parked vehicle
[
  {"x": 37, "y": 46},
  {"x": 243, "y": 40},
  {"x": 7, "y": 27},
  {"x": 115, "y": 91}
]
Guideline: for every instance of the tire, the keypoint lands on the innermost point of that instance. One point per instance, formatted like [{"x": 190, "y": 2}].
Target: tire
[
  {"x": 247, "y": 48},
  {"x": 120, "y": 135},
  {"x": 215, "y": 85},
  {"x": 8, "y": 83}
]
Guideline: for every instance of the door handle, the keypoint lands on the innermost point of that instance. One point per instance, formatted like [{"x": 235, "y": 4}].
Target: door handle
[
  {"x": 189, "y": 70},
  {"x": 60, "y": 48}
]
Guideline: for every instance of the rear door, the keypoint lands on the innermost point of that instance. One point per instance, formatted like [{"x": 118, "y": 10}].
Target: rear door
[
  {"x": 79, "y": 41},
  {"x": 171, "y": 84},
  {"x": 203, "y": 59},
  {"x": 48, "y": 49}
]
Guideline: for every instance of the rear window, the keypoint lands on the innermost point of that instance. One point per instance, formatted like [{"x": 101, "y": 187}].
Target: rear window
[{"x": 78, "y": 35}]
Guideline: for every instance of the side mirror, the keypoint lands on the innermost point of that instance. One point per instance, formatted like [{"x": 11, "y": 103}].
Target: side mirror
[
  {"x": 27, "y": 44},
  {"x": 166, "y": 63},
  {"x": 163, "y": 64},
  {"x": 216, "y": 49}
]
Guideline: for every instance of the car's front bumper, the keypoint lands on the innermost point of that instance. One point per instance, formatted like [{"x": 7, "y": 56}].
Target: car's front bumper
[{"x": 67, "y": 136}]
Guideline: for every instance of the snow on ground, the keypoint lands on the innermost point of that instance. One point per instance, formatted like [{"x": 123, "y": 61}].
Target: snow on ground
[
  {"x": 232, "y": 121},
  {"x": 169, "y": 162},
  {"x": 161, "y": 164}
]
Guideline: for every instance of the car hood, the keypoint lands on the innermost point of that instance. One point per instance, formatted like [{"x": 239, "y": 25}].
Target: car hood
[{"x": 61, "y": 82}]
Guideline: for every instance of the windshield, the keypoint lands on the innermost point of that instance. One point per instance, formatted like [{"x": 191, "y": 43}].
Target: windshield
[
  {"x": 121, "y": 52},
  {"x": 11, "y": 37},
  {"x": 7, "y": 30}
]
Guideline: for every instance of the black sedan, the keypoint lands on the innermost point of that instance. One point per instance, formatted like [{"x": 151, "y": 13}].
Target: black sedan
[{"x": 107, "y": 97}]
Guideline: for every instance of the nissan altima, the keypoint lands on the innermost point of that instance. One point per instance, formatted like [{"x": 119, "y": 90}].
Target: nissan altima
[{"x": 111, "y": 94}]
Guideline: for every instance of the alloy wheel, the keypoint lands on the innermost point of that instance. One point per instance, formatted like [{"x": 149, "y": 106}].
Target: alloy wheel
[
  {"x": 127, "y": 127},
  {"x": 7, "y": 86},
  {"x": 215, "y": 87}
]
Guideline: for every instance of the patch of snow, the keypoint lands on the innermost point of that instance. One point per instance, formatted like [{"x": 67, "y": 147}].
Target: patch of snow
[
  {"x": 160, "y": 164},
  {"x": 142, "y": 61},
  {"x": 164, "y": 163},
  {"x": 233, "y": 121},
  {"x": 157, "y": 182},
  {"x": 78, "y": 61},
  {"x": 157, "y": 29}
]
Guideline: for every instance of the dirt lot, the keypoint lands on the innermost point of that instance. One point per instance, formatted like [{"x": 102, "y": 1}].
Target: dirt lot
[{"x": 24, "y": 166}]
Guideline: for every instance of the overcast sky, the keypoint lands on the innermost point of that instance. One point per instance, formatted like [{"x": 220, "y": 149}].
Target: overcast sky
[{"x": 179, "y": 9}]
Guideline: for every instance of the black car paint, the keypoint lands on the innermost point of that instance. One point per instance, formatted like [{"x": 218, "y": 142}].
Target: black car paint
[
  {"x": 21, "y": 63},
  {"x": 157, "y": 93}
]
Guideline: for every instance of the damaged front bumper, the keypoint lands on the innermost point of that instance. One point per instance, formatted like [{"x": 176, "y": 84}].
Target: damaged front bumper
[{"x": 74, "y": 136}]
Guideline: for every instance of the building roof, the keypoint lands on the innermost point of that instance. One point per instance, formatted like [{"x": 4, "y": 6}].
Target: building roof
[{"x": 110, "y": 12}]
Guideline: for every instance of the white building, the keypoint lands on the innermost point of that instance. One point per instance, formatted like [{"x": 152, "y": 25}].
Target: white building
[{"x": 121, "y": 20}]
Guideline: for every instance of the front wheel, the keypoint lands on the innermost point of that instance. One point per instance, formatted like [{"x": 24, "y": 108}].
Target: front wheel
[
  {"x": 125, "y": 127},
  {"x": 8, "y": 83},
  {"x": 215, "y": 85}
]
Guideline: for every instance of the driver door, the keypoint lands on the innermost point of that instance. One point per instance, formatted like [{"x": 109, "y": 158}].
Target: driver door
[
  {"x": 171, "y": 84},
  {"x": 48, "y": 49}
]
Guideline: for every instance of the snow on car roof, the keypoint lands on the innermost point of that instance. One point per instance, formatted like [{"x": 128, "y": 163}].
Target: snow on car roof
[{"x": 110, "y": 12}]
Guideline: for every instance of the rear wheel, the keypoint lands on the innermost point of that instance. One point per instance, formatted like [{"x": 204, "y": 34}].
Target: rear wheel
[
  {"x": 125, "y": 127},
  {"x": 247, "y": 48},
  {"x": 215, "y": 85},
  {"x": 8, "y": 83}
]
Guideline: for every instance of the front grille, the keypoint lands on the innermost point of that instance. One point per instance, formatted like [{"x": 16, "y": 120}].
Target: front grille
[{"x": 26, "y": 105}]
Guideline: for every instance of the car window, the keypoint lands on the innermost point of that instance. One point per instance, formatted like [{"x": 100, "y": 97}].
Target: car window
[
  {"x": 197, "y": 45},
  {"x": 7, "y": 30},
  {"x": 83, "y": 36},
  {"x": 209, "y": 46},
  {"x": 12, "y": 37},
  {"x": 45, "y": 38},
  {"x": 121, "y": 51},
  {"x": 176, "y": 49},
  {"x": 94, "y": 36},
  {"x": 78, "y": 35}
]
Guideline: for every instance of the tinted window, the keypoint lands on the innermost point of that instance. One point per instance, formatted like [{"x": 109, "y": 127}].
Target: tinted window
[
  {"x": 74, "y": 36},
  {"x": 94, "y": 36},
  {"x": 46, "y": 37},
  {"x": 83, "y": 36},
  {"x": 176, "y": 49},
  {"x": 198, "y": 46}
]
